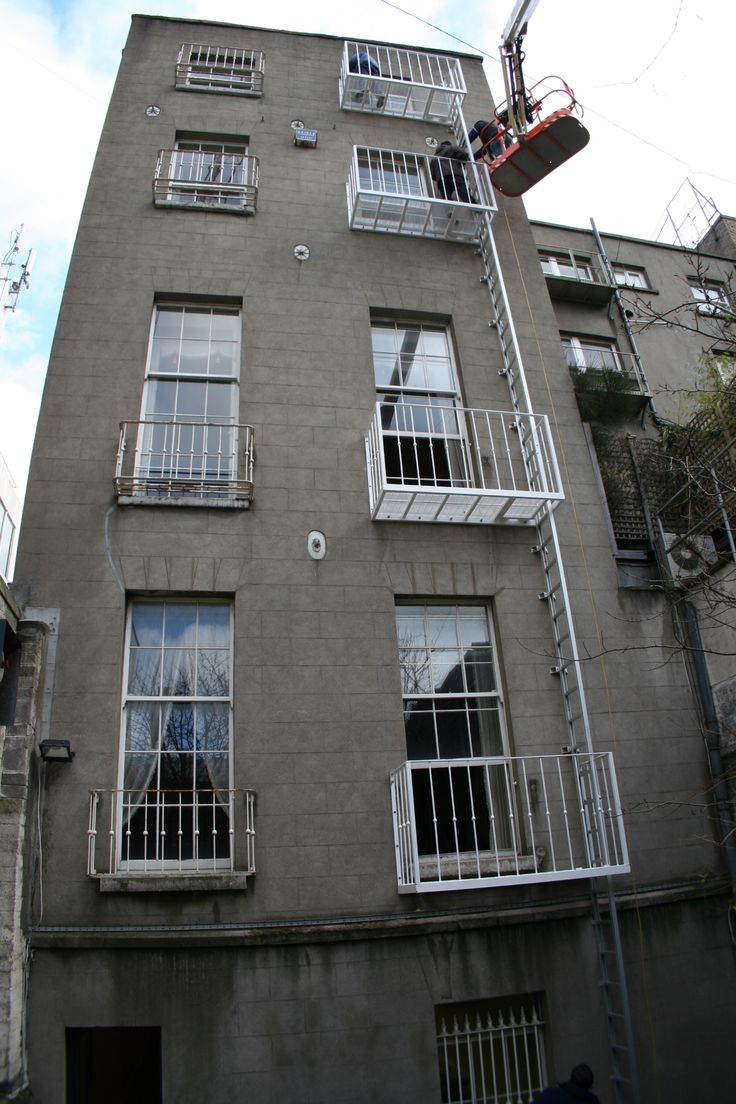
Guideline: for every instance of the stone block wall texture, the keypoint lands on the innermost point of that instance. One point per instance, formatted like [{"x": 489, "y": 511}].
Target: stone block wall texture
[
  {"x": 17, "y": 757},
  {"x": 318, "y": 723}
]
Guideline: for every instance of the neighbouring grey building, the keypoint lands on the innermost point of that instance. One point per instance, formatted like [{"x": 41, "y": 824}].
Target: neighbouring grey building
[
  {"x": 367, "y": 773},
  {"x": 9, "y": 519}
]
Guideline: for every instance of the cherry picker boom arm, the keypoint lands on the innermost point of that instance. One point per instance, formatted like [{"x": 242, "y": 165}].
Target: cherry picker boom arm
[{"x": 511, "y": 64}]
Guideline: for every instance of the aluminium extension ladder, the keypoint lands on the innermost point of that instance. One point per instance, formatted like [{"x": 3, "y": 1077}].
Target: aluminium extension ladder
[{"x": 612, "y": 974}]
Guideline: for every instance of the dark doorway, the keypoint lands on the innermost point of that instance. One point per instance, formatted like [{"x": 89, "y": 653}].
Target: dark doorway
[{"x": 113, "y": 1065}]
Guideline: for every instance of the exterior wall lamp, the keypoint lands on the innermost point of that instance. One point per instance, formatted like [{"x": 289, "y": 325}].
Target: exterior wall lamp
[{"x": 56, "y": 751}]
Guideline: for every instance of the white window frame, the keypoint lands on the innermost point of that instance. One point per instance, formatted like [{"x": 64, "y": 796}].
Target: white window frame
[
  {"x": 553, "y": 264},
  {"x": 422, "y": 418},
  {"x": 711, "y": 297},
  {"x": 629, "y": 277},
  {"x": 491, "y": 1052},
  {"x": 176, "y": 466},
  {"x": 158, "y": 860},
  {"x": 451, "y": 812},
  {"x": 580, "y": 353}
]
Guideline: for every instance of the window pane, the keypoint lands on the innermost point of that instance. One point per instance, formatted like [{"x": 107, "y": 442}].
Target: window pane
[
  {"x": 168, "y": 322},
  {"x": 222, "y": 358},
  {"x": 485, "y": 728},
  {"x": 214, "y": 626},
  {"x": 219, "y": 401},
  {"x": 176, "y": 772},
  {"x": 140, "y": 775},
  {"x": 191, "y": 399},
  {"x": 165, "y": 356},
  {"x": 197, "y": 323},
  {"x": 213, "y": 773},
  {"x": 226, "y": 326},
  {"x": 410, "y": 626},
  {"x": 147, "y": 624},
  {"x": 447, "y": 671},
  {"x": 177, "y": 727},
  {"x": 386, "y": 370},
  {"x": 144, "y": 678},
  {"x": 181, "y": 624},
  {"x": 161, "y": 397},
  {"x": 415, "y": 672},
  {"x": 453, "y": 736},
  {"x": 194, "y": 358},
  {"x": 473, "y": 626},
  {"x": 442, "y": 626},
  {"x": 141, "y": 727},
  {"x": 178, "y": 675},
  {"x": 213, "y": 673},
  {"x": 213, "y": 727},
  {"x": 384, "y": 339},
  {"x": 420, "y": 735}
]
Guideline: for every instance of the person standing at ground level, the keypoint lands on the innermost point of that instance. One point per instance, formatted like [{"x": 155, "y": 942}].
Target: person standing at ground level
[{"x": 570, "y": 1092}]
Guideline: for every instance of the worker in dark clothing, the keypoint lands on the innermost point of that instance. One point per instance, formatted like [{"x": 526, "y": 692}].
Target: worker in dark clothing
[
  {"x": 489, "y": 132},
  {"x": 363, "y": 62},
  {"x": 495, "y": 136},
  {"x": 574, "y": 1091},
  {"x": 447, "y": 172}
]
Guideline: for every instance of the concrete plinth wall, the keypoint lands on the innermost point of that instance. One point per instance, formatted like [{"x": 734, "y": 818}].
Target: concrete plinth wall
[{"x": 353, "y": 1020}]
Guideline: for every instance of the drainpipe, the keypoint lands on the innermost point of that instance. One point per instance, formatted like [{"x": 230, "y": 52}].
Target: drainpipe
[
  {"x": 687, "y": 618},
  {"x": 625, "y": 321}
]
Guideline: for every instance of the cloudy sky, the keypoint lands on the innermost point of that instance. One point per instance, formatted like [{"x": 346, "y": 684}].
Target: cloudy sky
[{"x": 652, "y": 76}]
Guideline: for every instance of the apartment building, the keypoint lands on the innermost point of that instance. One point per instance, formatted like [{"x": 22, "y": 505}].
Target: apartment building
[
  {"x": 9, "y": 519},
  {"x": 360, "y": 774}
]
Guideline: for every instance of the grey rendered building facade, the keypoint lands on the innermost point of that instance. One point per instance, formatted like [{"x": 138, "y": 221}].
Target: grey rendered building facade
[{"x": 342, "y": 843}]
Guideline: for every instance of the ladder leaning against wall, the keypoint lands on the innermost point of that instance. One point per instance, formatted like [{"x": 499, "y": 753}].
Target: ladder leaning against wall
[{"x": 612, "y": 973}]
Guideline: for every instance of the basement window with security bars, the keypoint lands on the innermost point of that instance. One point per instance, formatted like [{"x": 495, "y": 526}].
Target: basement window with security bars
[{"x": 491, "y": 1051}]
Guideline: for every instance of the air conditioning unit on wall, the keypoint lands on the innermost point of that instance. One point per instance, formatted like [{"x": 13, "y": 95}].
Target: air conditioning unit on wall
[{"x": 690, "y": 557}]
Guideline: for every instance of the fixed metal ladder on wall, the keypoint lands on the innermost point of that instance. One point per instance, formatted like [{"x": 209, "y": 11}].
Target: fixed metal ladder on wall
[{"x": 567, "y": 668}]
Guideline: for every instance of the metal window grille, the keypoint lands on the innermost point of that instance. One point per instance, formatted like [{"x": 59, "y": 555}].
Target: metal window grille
[
  {"x": 220, "y": 69},
  {"x": 491, "y": 1052}
]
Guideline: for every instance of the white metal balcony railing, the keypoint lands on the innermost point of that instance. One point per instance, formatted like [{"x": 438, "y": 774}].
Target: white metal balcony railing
[
  {"x": 170, "y": 831},
  {"x": 474, "y": 823},
  {"x": 170, "y": 461},
  {"x": 619, "y": 371},
  {"x": 576, "y": 274},
  {"x": 227, "y": 69},
  {"x": 419, "y": 195},
  {"x": 410, "y": 84},
  {"x": 200, "y": 178},
  {"x": 455, "y": 464}
]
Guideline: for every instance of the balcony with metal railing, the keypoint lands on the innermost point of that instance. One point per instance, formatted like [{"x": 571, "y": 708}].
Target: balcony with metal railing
[
  {"x": 229, "y": 69},
  {"x": 445, "y": 463},
  {"x": 206, "y": 179},
  {"x": 483, "y": 822},
  {"x": 185, "y": 463},
  {"x": 607, "y": 382},
  {"x": 134, "y": 835},
  {"x": 419, "y": 195},
  {"x": 576, "y": 275},
  {"x": 408, "y": 84}
]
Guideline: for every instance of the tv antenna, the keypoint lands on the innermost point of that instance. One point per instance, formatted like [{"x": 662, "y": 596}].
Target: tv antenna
[{"x": 12, "y": 281}]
